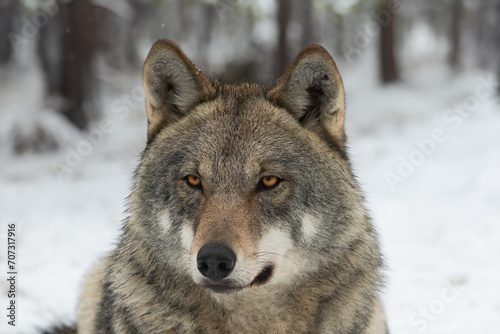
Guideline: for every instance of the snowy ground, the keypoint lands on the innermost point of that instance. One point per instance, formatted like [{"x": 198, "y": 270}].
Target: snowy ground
[{"x": 439, "y": 222}]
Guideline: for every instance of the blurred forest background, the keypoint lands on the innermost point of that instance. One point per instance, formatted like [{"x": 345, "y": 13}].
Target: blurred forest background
[
  {"x": 423, "y": 119},
  {"x": 75, "y": 45}
]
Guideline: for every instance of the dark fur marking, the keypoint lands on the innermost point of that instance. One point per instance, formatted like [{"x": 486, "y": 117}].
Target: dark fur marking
[
  {"x": 104, "y": 320},
  {"x": 61, "y": 329},
  {"x": 263, "y": 277}
]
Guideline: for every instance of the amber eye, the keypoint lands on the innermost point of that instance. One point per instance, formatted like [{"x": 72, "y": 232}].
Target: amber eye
[
  {"x": 269, "y": 182},
  {"x": 193, "y": 181}
]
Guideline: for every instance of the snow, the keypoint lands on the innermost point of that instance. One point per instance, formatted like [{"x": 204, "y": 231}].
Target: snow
[{"x": 439, "y": 226}]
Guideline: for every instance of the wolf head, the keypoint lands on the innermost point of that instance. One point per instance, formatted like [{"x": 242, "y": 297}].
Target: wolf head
[{"x": 242, "y": 187}]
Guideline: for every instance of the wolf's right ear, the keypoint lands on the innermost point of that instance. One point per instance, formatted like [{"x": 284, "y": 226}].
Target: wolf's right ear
[{"x": 172, "y": 84}]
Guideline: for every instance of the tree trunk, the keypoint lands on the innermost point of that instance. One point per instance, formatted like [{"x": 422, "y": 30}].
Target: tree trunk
[
  {"x": 389, "y": 67},
  {"x": 48, "y": 49},
  {"x": 9, "y": 10},
  {"x": 82, "y": 34},
  {"x": 497, "y": 42},
  {"x": 282, "y": 55},
  {"x": 205, "y": 37},
  {"x": 306, "y": 18},
  {"x": 456, "y": 22}
]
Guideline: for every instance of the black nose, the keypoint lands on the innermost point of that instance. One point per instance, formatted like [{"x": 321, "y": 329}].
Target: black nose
[{"x": 216, "y": 261}]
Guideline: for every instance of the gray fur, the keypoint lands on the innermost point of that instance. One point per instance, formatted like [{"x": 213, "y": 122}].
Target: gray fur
[{"x": 312, "y": 230}]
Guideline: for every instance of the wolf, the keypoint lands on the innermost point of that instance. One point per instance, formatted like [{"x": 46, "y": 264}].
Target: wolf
[{"x": 245, "y": 216}]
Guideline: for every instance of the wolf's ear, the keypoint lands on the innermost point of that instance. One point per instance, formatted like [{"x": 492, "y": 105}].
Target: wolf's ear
[
  {"x": 311, "y": 90},
  {"x": 172, "y": 84}
]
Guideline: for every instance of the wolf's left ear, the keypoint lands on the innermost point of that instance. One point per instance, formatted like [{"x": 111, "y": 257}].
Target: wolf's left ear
[
  {"x": 172, "y": 84},
  {"x": 312, "y": 91}
]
